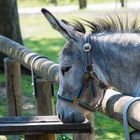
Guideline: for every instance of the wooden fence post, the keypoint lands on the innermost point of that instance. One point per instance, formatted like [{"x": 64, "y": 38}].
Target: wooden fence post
[
  {"x": 44, "y": 106},
  {"x": 44, "y": 97},
  {"x": 82, "y": 4},
  {"x": 13, "y": 88},
  {"x": 86, "y": 136},
  {"x": 135, "y": 135}
]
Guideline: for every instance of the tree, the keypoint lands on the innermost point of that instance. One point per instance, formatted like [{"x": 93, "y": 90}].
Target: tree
[
  {"x": 9, "y": 23},
  {"x": 55, "y": 2},
  {"x": 122, "y": 3},
  {"x": 82, "y": 4}
]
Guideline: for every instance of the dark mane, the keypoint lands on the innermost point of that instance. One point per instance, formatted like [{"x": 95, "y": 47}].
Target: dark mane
[
  {"x": 110, "y": 23},
  {"x": 77, "y": 26}
]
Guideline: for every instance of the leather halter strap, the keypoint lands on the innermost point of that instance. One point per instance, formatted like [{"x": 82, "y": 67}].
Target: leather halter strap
[{"x": 92, "y": 78}]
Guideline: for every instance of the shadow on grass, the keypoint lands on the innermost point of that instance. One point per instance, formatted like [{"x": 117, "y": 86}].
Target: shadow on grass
[
  {"x": 107, "y": 128},
  {"x": 48, "y": 47}
]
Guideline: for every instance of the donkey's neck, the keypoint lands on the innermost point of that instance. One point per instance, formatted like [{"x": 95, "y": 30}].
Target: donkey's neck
[{"x": 118, "y": 57}]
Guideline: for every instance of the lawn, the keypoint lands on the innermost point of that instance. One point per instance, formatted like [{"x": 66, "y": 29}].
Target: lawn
[{"x": 41, "y": 38}]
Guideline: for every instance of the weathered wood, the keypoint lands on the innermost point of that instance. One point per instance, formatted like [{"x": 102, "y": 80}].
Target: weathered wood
[
  {"x": 113, "y": 104},
  {"x": 40, "y": 125},
  {"x": 135, "y": 135},
  {"x": 27, "y": 119},
  {"x": 44, "y": 97},
  {"x": 86, "y": 136},
  {"x": 43, "y": 67},
  {"x": 40, "y": 137},
  {"x": 13, "y": 87},
  {"x": 44, "y": 106}
]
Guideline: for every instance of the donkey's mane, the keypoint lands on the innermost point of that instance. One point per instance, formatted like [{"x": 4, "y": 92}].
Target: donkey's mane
[{"x": 110, "y": 23}]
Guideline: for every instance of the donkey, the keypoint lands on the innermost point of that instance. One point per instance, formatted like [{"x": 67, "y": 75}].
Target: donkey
[{"x": 108, "y": 56}]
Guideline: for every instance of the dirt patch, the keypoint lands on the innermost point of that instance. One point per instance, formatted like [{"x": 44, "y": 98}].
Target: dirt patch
[{"x": 28, "y": 105}]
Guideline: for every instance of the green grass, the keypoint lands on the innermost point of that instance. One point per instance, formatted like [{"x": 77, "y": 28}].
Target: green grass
[
  {"x": 47, "y": 47},
  {"x": 26, "y": 85},
  {"x": 2, "y": 79},
  {"x": 107, "y": 128},
  {"x": 3, "y": 109}
]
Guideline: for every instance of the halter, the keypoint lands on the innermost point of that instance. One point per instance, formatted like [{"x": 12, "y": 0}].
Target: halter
[{"x": 92, "y": 77}]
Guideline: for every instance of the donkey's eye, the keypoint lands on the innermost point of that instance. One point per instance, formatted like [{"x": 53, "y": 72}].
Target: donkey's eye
[{"x": 65, "y": 69}]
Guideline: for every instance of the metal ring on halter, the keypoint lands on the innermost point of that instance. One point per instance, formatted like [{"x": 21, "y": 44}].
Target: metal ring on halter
[
  {"x": 87, "y": 47},
  {"x": 32, "y": 71},
  {"x": 125, "y": 118},
  {"x": 86, "y": 70}
]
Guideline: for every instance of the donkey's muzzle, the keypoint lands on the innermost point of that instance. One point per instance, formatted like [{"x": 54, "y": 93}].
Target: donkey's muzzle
[
  {"x": 68, "y": 114},
  {"x": 71, "y": 118}
]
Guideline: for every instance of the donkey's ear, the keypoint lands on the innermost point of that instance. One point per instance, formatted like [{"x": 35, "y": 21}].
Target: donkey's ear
[{"x": 60, "y": 26}]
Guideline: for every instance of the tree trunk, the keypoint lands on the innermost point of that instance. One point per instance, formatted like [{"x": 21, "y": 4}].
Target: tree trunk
[
  {"x": 122, "y": 3},
  {"x": 82, "y": 4},
  {"x": 55, "y": 2},
  {"x": 9, "y": 23}
]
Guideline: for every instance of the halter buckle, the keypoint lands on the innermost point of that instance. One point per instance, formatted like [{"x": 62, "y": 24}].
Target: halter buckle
[
  {"x": 93, "y": 75},
  {"x": 75, "y": 100},
  {"x": 87, "y": 47}
]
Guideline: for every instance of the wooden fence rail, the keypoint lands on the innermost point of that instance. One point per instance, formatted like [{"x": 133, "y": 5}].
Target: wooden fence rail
[
  {"x": 113, "y": 102},
  {"x": 13, "y": 87},
  {"x": 44, "y": 68}
]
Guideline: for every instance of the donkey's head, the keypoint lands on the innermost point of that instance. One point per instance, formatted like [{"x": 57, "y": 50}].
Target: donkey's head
[{"x": 78, "y": 88}]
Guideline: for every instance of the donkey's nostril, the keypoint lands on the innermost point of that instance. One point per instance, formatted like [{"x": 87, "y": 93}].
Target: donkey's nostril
[
  {"x": 72, "y": 117},
  {"x": 60, "y": 116}
]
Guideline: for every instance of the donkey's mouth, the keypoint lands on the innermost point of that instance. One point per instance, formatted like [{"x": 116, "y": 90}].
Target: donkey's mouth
[
  {"x": 74, "y": 117},
  {"x": 69, "y": 114}
]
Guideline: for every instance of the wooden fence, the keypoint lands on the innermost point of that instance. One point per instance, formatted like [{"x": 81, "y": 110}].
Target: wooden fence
[{"x": 112, "y": 105}]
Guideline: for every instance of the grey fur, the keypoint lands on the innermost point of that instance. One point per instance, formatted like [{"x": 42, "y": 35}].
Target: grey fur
[{"x": 118, "y": 55}]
